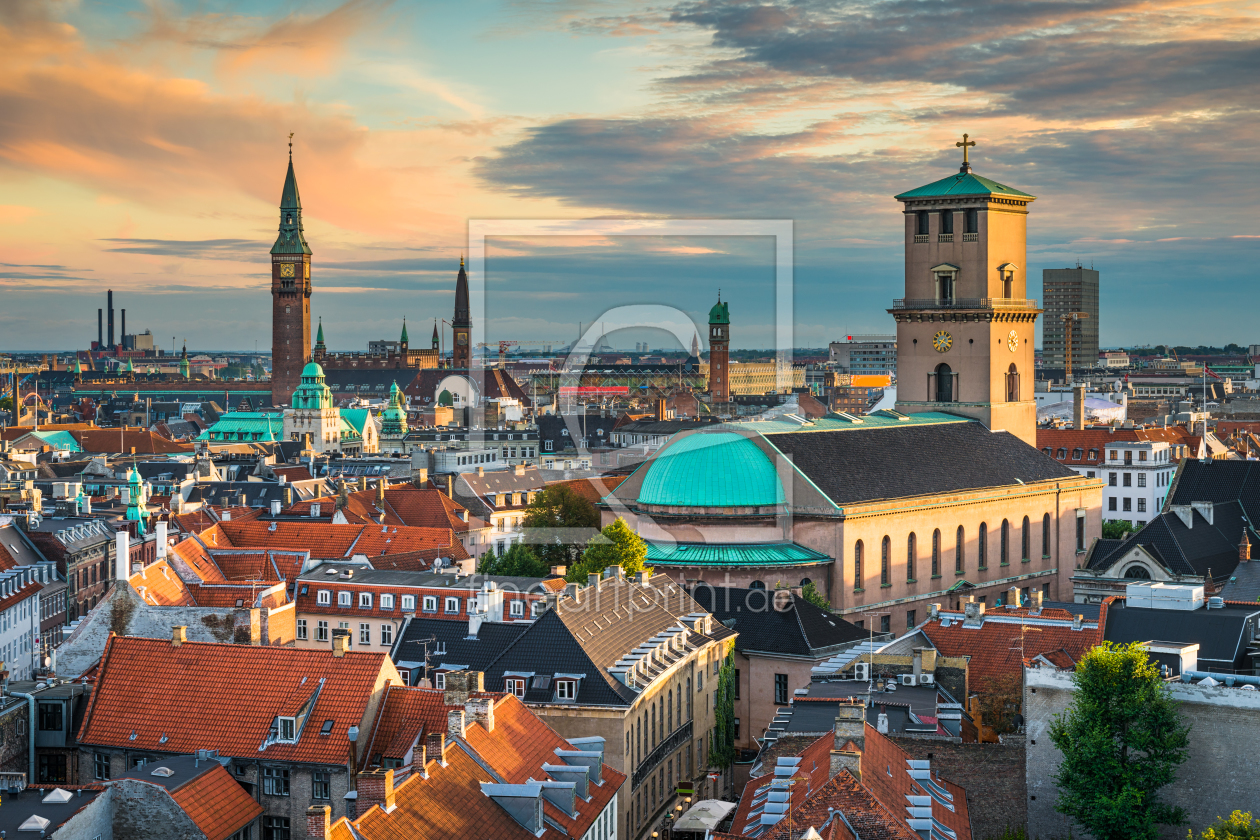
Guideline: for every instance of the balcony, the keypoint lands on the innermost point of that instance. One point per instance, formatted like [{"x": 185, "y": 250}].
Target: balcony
[
  {"x": 971, "y": 237},
  {"x": 921, "y": 238},
  {"x": 964, "y": 303},
  {"x": 676, "y": 739},
  {"x": 944, "y": 237}
]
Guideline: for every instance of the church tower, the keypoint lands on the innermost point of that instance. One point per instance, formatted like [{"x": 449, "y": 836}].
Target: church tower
[
  {"x": 290, "y": 295},
  {"x": 965, "y": 326},
  {"x": 719, "y": 352},
  {"x": 461, "y": 324}
]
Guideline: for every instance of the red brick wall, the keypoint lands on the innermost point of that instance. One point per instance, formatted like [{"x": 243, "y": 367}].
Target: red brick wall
[{"x": 992, "y": 774}]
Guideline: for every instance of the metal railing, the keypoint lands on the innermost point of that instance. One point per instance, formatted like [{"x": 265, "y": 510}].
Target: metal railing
[
  {"x": 964, "y": 303},
  {"x": 676, "y": 739},
  {"x": 920, "y": 238},
  {"x": 944, "y": 237}
]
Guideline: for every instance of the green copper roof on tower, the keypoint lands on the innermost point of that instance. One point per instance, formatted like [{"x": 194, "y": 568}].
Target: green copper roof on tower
[
  {"x": 719, "y": 314},
  {"x": 404, "y": 332},
  {"x": 290, "y": 240},
  {"x": 964, "y": 183},
  {"x": 289, "y": 198},
  {"x": 319, "y": 336}
]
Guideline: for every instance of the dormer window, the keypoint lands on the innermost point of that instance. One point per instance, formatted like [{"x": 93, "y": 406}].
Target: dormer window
[
  {"x": 286, "y": 730},
  {"x": 323, "y": 597},
  {"x": 365, "y": 600},
  {"x": 408, "y": 603},
  {"x": 516, "y": 686},
  {"x": 343, "y": 599},
  {"x": 566, "y": 689},
  {"x": 387, "y": 602}
]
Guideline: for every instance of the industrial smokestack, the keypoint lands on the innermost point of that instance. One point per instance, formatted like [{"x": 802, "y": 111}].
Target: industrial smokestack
[
  {"x": 100, "y": 328},
  {"x": 109, "y": 304}
]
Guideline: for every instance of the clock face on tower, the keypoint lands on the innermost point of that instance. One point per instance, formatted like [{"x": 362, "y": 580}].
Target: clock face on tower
[
  {"x": 1012, "y": 340},
  {"x": 942, "y": 341}
]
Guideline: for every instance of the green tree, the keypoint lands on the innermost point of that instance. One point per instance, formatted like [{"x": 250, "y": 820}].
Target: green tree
[
  {"x": 6, "y": 403},
  {"x": 810, "y": 593},
  {"x": 1115, "y": 529},
  {"x": 1237, "y": 826},
  {"x": 519, "y": 560},
  {"x": 722, "y": 755},
  {"x": 616, "y": 545},
  {"x": 489, "y": 563},
  {"x": 553, "y": 510},
  {"x": 1122, "y": 740}
]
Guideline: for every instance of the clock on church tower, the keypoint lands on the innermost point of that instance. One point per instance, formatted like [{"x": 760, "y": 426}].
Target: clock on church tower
[{"x": 965, "y": 326}]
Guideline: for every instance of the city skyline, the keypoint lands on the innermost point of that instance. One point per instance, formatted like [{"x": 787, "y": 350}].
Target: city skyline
[{"x": 146, "y": 148}]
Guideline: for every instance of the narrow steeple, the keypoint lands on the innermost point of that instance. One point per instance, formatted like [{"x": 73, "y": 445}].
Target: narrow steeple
[
  {"x": 436, "y": 339},
  {"x": 290, "y": 240},
  {"x": 183, "y": 361},
  {"x": 319, "y": 336},
  {"x": 463, "y": 315},
  {"x": 404, "y": 332}
]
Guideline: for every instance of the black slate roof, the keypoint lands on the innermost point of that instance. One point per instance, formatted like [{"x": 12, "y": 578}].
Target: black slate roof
[
  {"x": 857, "y": 465},
  {"x": 1222, "y": 634},
  {"x": 801, "y": 630},
  {"x": 449, "y": 642}
]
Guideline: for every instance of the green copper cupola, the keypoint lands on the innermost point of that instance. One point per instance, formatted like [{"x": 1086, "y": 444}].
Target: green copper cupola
[{"x": 291, "y": 239}]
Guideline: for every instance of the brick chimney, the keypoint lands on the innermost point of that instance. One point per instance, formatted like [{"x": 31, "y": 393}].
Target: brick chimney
[
  {"x": 973, "y": 612},
  {"x": 179, "y": 635},
  {"x": 455, "y": 723},
  {"x": 318, "y": 822},
  {"x": 1244, "y": 549},
  {"x": 419, "y": 758},
  {"x": 435, "y": 746},
  {"x": 1078, "y": 406},
  {"x": 480, "y": 710},
  {"x": 559, "y": 571},
  {"x": 340, "y": 642},
  {"x": 1035, "y": 600},
  {"x": 376, "y": 787},
  {"x": 850, "y": 726},
  {"x": 461, "y": 684},
  {"x": 1012, "y": 597}
]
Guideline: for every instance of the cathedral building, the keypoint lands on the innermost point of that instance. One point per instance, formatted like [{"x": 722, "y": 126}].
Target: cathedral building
[{"x": 887, "y": 514}]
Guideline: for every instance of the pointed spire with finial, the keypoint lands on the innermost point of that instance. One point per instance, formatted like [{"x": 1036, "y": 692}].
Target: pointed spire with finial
[
  {"x": 404, "y": 332},
  {"x": 290, "y": 240},
  {"x": 319, "y": 336}
]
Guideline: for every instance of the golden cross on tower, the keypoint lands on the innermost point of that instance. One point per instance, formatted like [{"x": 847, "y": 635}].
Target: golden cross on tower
[{"x": 964, "y": 144}]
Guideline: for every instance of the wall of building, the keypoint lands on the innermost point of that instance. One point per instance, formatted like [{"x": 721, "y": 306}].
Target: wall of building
[
  {"x": 992, "y": 775},
  {"x": 141, "y": 811},
  {"x": 14, "y": 742},
  {"x": 1218, "y": 778}
]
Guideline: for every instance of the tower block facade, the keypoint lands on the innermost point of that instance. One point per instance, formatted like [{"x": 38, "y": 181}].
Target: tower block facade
[
  {"x": 461, "y": 323},
  {"x": 719, "y": 353},
  {"x": 290, "y": 296},
  {"x": 965, "y": 328}
]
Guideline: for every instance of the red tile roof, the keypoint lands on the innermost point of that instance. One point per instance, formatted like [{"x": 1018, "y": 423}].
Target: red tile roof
[
  {"x": 251, "y": 565},
  {"x": 201, "y": 695},
  {"x": 592, "y": 489},
  {"x": 197, "y": 560},
  {"x": 993, "y": 649},
  {"x": 887, "y": 775},
  {"x": 217, "y": 803},
  {"x": 159, "y": 585},
  {"x": 292, "y": 474},
  {"x": 406, "y": 713},
  {"x": 404, "y": 505},
  {"x": 327, "y": 541},
  {"x": 238, "y": 595},
  {"x": 120, "y": 440}
]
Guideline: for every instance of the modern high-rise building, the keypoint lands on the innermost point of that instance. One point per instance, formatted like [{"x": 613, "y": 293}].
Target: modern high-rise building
[
  {"x": 866, "y": 355},
  {"x": 1063, "y": 291}
]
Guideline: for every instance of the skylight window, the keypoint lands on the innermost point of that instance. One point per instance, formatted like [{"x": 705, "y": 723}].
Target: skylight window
[{"x": 326, "y": 729}]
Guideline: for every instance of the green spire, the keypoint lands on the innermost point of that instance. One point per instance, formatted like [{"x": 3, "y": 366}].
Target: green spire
[
  {"x": 183, "y": 361},
  {"x": 135, "y": 500},
  {"x": 404, "y": 332},
  {"x": 290, "y": 240},
  {"x": 319, "y": 336},
  {"x": 78, "y": 368},
  {"x": 130, "y": 367},
  {"x": 394, "y": 419}
]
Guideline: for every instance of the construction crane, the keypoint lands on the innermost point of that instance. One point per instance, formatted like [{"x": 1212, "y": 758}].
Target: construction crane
[
  {"x": 506, "y": 343},
  {"x": 1069, "y": 320}
]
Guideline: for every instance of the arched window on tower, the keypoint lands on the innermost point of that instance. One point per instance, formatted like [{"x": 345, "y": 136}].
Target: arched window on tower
[
  {"x": 1045, "y": 535},
  {"x": 857, "y": 565},
  {"x": 1025, "y": 541},
  {"x": 885, "y": 549},
  {"x": 960, "y": 544},
  {"x": 1012, "y": 383},
  {"x": 936, "y": 553},
  {"x": 944, "y": 383},
  {"x": 1005, "y": 549},
  {"x": 982, "y": 548},
  {"x": 910, "y": 552}
]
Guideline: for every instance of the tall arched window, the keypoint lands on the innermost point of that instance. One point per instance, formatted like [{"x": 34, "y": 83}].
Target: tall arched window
[
  {"x": 669, "y": 713},
  {"x": 885, "y": 549},
  {"x": 936, "y": 553},
  {"x": 982, "y": 548},
  {"x": 944, "y": 383},
  {"x": 1025, "y": 541},
  {"x": 857, "y": 565},
  {"x": 1045, "y": 535},
  {"x": 910, "y": 550},
  {"x": 1012, "y": 384},
  {"x": 1004, "y": 551},
  {"x": 960, "y": 543}
]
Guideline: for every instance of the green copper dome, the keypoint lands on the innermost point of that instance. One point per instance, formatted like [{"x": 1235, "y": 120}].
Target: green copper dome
[
  {"x": 312, "y": 369},
  {"x": 719, "y": 314},
  {"x": 712, "y": 469},
  {"x": 394, "y": 418}
]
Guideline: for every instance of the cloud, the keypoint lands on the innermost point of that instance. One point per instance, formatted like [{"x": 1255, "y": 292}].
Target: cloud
[{"x": 218, "y": 249}]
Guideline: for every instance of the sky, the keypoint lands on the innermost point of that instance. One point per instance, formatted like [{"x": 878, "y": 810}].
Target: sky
[{"x": 143, "y": 148}]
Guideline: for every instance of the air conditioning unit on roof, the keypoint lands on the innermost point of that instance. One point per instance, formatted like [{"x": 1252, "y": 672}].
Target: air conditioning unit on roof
[
  {"x": 862, "y": 671},
  {"x": 907, "y": 679},
  {"x": 927, "y": 679}
]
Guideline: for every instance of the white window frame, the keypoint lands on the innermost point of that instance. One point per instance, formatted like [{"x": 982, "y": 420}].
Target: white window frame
[
  {"x": 345, "y": 599},
  {"x": 387, "y": 634},
  {"x": 365, "y": 633},
  {"x": 566, "y": 689},
  {"x": 447, "y": 604},
  {"x": 387, "y": 601},
  {"x": 301, "y": 629},
  {"x": 430, "y": 603},
  {"x": 409, "y": 603},
  {"x": 516, "y": 687},
  {"x": 323, "y": 597},
  {"x": 365, "y": 600},
  {"x": 286, "y": 730},
  {"x": 516, "y": 608},
  {"x": 439, "y": 680}
]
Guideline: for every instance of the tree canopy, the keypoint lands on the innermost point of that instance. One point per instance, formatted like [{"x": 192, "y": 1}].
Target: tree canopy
[
  {"x": 553, "y": 511},
  {"x": 1122, "y": 740},
  {"x": 1237, "y": 826},
  {"x": 615, "y": 545},
  {"x": 519, "y": 560}
]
